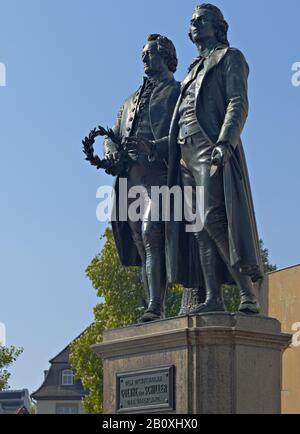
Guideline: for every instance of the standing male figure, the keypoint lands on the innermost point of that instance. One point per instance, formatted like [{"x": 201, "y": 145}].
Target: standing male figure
[
  {"x": 143, "y": 123},
  {"x": 206, "y": 151}
]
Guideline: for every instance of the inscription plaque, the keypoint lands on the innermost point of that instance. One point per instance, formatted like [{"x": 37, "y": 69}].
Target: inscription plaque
[{"x": 146, "y": 391}]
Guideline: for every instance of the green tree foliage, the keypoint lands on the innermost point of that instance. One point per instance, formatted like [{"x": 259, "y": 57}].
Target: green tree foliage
[
  {"x": 8, "y": 355},
  {"x": 121, "y": 292},
  {"x": 122, "y": 303},
  {"x": 265, "y": 258}
]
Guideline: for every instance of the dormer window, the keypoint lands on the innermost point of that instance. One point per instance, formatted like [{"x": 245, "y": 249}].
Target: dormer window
[{"x": 67, "y": 377}]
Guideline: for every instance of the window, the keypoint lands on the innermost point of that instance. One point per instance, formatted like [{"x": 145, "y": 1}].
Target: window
[
  {"x": 66, "y": 409},
  {"x": 67, "y": 377}
]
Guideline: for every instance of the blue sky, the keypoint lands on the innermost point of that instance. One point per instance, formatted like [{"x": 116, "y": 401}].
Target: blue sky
[{"x": 70, "y": 64}]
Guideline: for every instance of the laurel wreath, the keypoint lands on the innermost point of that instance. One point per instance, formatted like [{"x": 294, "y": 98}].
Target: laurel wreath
[{"x": 110, "y": 167}]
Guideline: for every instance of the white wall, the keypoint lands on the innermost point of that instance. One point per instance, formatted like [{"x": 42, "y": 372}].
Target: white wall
[{"x": 49, "y": 407}]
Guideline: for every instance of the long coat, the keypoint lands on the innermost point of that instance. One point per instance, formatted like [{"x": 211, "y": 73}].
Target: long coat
[
  {"x": 221, "y": 106},
  {"x": 161, "y": 108}
]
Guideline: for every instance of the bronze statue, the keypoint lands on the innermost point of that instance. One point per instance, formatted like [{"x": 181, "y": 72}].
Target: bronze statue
[
  {"x": 205, "y": 150},
  {"x": 143, "y": 125}
]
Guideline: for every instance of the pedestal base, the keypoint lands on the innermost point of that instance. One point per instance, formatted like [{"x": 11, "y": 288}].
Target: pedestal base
[{"x": 214, "y": 363}]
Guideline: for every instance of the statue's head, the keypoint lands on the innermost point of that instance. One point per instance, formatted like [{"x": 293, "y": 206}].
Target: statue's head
[
  {"x": 159, "y": 55},
  {"x": 208, "y": 22}
]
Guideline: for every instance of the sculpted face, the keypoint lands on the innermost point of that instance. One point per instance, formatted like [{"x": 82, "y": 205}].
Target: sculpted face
[
  {"x": 201, "y": 26},
  {"x": 154, "y": 64}
]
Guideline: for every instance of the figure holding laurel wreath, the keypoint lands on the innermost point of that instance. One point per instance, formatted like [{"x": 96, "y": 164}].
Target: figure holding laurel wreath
[{"x": 137, "y": 149}]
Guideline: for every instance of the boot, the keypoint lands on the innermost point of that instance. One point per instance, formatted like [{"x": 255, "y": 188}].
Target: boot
[
  {"x": 249, "y": 303},
  {"x": 142, "y": 253},
  {"x": 208, "y": 257},
  {"x": 155, "y": 311},
  {"x": 156, "y": 273}
]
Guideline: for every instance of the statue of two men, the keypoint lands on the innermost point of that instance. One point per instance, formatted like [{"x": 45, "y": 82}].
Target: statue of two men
[{"x": 189, "y": 136}]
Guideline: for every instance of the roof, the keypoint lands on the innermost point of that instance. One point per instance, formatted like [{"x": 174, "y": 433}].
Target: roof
[
  {"x": 13, "y": 400},
  {"x": 284, "y": 269},
  {"x": 13, "y": 394},
  {"x": 52, "y": 388},
  {"x": 22, "y": 410},
  {"x": 63, "y": 356}
]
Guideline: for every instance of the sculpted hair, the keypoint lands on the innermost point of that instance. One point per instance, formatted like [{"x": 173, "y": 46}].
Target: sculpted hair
[
  {"x": 221, "y": 26},
  {"x": 166, "y": 49}
]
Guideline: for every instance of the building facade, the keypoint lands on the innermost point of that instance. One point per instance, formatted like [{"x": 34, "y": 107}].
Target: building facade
[
  {"x": 60, "y": 392},
  {"x": 282, "y": 301},
  {"x": 12, "y": 401}
]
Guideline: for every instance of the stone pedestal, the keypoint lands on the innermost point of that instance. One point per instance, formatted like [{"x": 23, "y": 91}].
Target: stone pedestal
[{"x": 214, "y": 363}]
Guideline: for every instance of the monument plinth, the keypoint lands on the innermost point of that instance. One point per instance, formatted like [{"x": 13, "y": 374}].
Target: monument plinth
[{"x": 214, "y": 363}]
